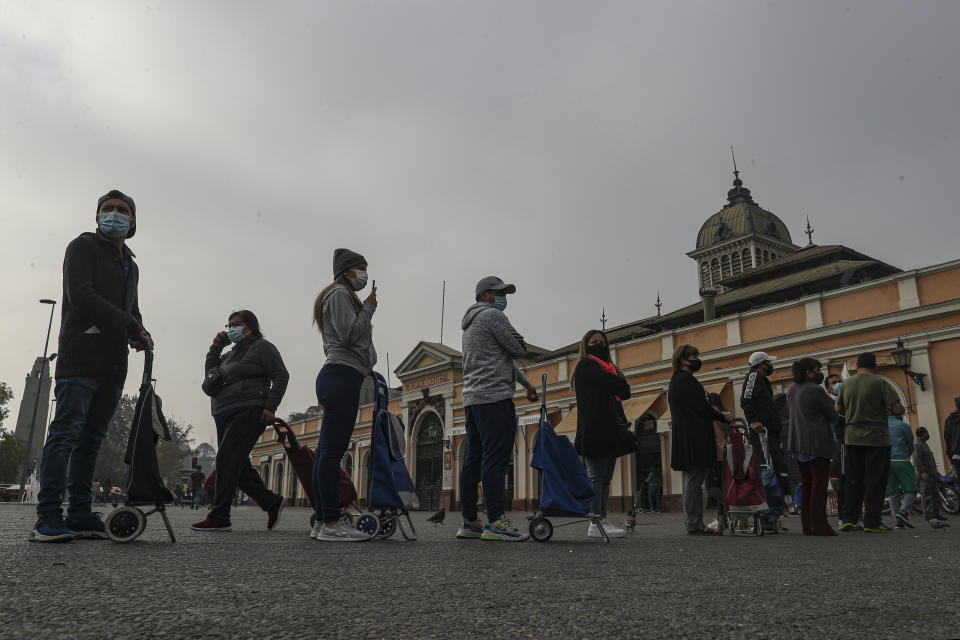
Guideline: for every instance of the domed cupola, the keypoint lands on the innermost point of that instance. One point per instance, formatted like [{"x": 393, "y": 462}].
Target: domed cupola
[{"x": 742, "y": 235}]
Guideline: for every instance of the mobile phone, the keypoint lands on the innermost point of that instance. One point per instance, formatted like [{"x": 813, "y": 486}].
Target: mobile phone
[{"x": 374, "y": 283}]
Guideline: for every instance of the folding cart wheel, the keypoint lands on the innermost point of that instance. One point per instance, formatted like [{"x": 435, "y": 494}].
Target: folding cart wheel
[
  {"x": 125, "y": 524},
  {"x": 778, "y": 525},
  {"x": 411, "y": 535},
  {"x": 541, "y": 529},
  {"x": 758, "y": 525},
  {"x": 369, "y": 524},
  {"x": 388, "y": 525}
]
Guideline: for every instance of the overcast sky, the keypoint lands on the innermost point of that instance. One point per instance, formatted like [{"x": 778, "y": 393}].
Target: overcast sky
[{"x": 574, "y": 149}]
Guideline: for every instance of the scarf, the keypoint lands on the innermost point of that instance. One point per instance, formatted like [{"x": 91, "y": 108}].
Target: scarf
[{"x": 608, "y": 367}]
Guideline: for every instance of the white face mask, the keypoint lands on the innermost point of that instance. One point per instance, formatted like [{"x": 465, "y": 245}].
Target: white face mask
[{"x": 359, "y": 281}]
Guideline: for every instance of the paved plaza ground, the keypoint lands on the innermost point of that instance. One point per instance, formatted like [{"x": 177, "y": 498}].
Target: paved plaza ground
[{"x": 656, "y": 583}]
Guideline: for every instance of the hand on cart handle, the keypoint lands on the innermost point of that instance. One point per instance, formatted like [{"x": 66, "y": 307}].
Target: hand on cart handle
[
  {"x": 532, "y": 394},
  {"x": 729, "y": 416},
  {"x": 141, "y": 341},
  {"x": 757, "y": 426},
  {"x": 267, "y": 417}
]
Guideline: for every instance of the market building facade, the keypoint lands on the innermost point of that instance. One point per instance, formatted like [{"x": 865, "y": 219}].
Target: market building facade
[{"x": 760, "y": 292}]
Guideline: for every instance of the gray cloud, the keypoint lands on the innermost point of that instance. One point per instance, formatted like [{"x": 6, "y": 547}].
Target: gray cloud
[{"x": 572, "y": 148}]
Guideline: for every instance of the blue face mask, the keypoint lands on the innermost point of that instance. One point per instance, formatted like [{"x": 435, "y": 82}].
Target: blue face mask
[
  {"x": 836, "y": 389},
  {"x": 500, "y": 302},
  {"x": 114, "y": 225},
  {"x": 235, "y": 334}
]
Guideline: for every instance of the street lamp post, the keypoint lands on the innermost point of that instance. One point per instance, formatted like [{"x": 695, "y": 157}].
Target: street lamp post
[
  {"x": 36, "y": 402},
  {"x": 903, "y": 358}
]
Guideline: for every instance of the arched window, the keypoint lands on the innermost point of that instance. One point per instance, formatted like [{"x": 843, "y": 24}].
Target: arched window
[
  {"x": 705, "y": 273},
  {"x": 294, "y": 488},
  {"x": 347, "y": 463},
  {"x": 766, "y": 256},
  {"x": 725, "y": 265},
  {"x": 747, "y": 259},
  {"x": 715, "y": 271},
  {"x": 279, "y": 483},
  {"x": 736, "y": 266},
  {"x": 773, "y": 256},
  {"x": 266, "y": 474}
]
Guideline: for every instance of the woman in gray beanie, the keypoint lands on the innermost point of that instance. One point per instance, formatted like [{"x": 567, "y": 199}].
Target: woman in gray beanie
[{"x": 345, "y": 324}]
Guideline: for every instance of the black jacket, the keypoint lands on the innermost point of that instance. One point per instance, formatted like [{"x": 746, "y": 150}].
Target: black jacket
[
  {"x": 756, "y": 400},
  {"x": 99, "y": 310},
  {"x": 598, "y": 412},
  {"x": 254, "y": 373},
  {"x": 923, "y": 460},
  {"x": 951, "y": 434},
  {"x": 692, "y": 440}
]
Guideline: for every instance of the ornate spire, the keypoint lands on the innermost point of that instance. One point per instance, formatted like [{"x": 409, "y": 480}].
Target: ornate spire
[
  {"x": 659, "y": 304},
  {"x": 739, "y": 193},
  {"x": 603, "y": 319},
  {"x": 809, "y": 233}
]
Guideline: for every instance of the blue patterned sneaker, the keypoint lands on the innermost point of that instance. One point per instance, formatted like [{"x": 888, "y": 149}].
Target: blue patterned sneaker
[
  {"x": 52, "y": 529},
  {"x": 88, "y": 526},
  {"x": 501, "y": 529},
  {"x": 470, "y": 529}
]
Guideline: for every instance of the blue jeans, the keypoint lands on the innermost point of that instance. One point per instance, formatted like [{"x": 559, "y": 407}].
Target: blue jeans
[
  {"x": 491, "y": 429},
  {"x": 84, "y": 409},
  {"x": 600, "y": 471},
  {"x": 338, "y": 392}
]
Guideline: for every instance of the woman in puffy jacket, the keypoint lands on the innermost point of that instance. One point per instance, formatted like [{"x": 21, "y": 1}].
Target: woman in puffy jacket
[{"x": 251, "y": 380}]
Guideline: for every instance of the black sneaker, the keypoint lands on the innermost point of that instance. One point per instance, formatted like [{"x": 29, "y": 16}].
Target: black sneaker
[
  {"x": 88, "y": 526},
  {"x": 51, "y": 530}
]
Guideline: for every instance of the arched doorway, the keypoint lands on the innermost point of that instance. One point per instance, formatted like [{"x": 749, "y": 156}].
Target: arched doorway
[
  {"x": 430, "y": 461},
  {"x": 279, "y": 483},
  {"x": 363, "y": 488},
  {"x": 294, "y": 489},
  {"x": 266, "y": 475},
  {"x": 647, "y": 458}
]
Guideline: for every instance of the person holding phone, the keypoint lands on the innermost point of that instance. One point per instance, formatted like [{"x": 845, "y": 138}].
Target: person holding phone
[
  {"x": 254, "y": 380},
  {"x": 345, "y": 323}
]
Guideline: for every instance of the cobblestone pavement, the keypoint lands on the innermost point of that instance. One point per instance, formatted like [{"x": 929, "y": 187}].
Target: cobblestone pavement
[{"x": 656, "y": 583}]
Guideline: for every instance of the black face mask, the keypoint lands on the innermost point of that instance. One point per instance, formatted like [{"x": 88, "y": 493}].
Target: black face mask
[
  {"x": 818, "y": 378},
  {"x": 695, "y": 364},
  {"x": 599, "y": 350}
]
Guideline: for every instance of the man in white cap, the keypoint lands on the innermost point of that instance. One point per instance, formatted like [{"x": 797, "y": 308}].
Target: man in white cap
[{"x": 763, "y": 415}]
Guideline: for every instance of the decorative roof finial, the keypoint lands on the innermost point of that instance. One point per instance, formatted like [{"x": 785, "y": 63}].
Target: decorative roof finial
[
  {"x": 603, "y": 319},
  {"x": 809, "y": 233},
  {"x": 739, "y": 193},
  {"x": 659, "y": 304},
  {"x": 736, "y": 174}
]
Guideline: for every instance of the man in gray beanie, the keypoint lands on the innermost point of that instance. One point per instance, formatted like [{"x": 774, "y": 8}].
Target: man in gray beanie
[{"x": 100, "y": 319}]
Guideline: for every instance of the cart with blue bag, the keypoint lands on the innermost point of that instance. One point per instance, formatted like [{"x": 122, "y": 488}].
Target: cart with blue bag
[
  {"x": 565, "y": 489},
  {"x": 390, "y": 490}
]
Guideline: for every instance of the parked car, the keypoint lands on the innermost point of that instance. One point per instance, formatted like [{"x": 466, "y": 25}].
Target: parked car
[{"x": 10, "y": 492}]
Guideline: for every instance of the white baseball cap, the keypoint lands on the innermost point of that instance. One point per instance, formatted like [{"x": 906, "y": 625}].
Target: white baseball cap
[{"x": 759, "y": 356}]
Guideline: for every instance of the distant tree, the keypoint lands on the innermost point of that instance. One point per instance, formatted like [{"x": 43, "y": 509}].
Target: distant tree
[
  {"x": 110, "y": 462},
  {"x": 171, "y": 454},
  {"x": 298, "y": 416},
  {"x": 12, "y": 454},
  {"x": 6, "y": 395}
]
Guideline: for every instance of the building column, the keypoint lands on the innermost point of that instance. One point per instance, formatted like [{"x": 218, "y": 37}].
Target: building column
[
  {"x": 666, "y": 347},
  {"x": 926, "y": 403},
  {"x": 909, "y": 296}
]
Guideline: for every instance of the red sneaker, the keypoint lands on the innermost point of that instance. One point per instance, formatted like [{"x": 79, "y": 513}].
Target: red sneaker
[
  {"x": 206, "y": 525},
  {"x": 273, "y": 515}
]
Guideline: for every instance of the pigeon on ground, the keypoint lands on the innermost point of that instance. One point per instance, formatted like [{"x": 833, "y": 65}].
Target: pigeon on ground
[{"x": 438, "y": 517}]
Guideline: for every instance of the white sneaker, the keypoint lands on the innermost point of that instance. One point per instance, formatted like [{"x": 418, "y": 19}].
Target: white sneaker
[
  {"x": 316, "y": 529},
  {"x": 341, "y": 532},
  {"x": 593, "y": 531},
  {"x": 612, "y": 530}
]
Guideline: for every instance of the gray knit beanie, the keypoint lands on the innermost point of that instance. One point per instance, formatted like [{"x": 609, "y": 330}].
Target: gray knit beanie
[
  {"x": 343, "y": 259},
  {"x": 120, "y": 195}
]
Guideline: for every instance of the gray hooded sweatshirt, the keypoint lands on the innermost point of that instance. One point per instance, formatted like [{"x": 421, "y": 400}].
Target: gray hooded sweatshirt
[
  {"x": 490, "y": 344},
  {"x": 347, "y": 331}
]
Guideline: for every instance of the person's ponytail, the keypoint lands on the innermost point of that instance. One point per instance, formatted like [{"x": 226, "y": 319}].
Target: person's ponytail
[{"x": 318, "y": 303}]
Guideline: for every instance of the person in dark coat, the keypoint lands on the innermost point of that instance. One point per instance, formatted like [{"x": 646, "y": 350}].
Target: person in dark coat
[
  {"x": 600, "y": 388},
  {"x": 693, "y": 449},
  {"x": 951, "y": 435},
  {"x": 810, "y": 438}
]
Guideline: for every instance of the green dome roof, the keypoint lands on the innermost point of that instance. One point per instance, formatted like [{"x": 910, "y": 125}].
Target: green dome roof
[{"x": 741, "y": 215}]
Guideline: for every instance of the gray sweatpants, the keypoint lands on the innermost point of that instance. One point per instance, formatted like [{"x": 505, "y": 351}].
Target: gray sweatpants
[{"x": 693, "y": 497}]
